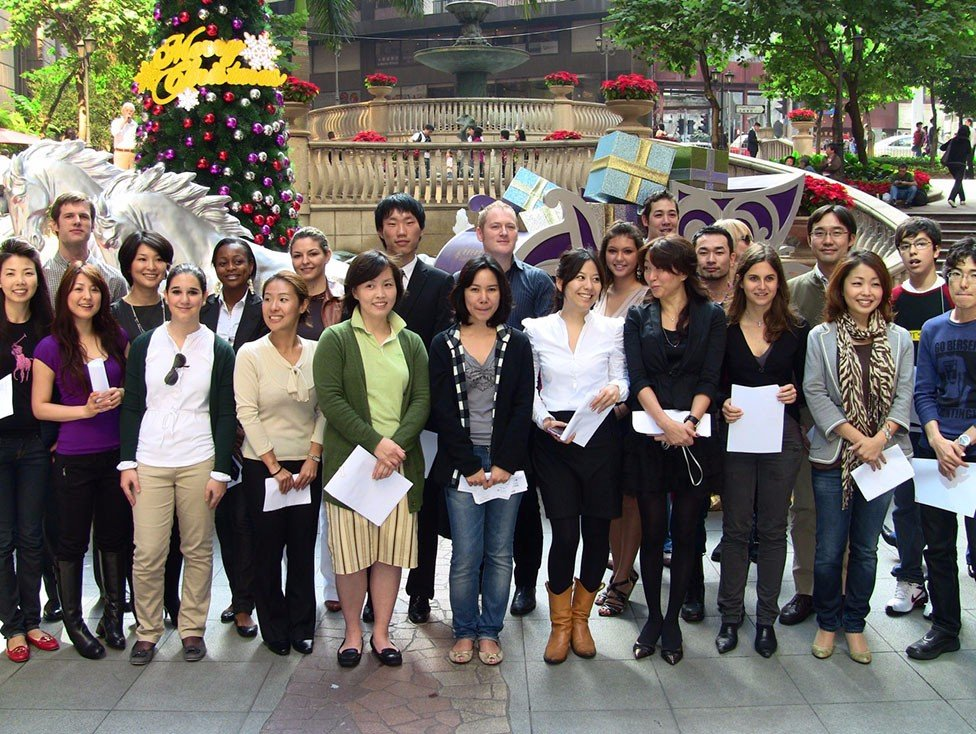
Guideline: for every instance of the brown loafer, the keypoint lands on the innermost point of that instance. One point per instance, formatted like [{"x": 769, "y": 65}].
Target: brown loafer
[
  {"x": 194, "y": 649},
  {"x": 142, "y": 653}
]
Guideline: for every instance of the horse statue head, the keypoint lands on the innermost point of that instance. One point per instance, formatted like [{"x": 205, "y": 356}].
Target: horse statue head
[{"x": 47, "y": 169}]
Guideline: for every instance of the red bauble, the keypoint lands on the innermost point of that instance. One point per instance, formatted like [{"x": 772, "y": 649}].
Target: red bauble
[
  {"x": 154, "y": 126},
  {"x": 212, "y": 30},
  {"x": 290, "y": 231},
  {"x": 157, "y": 110},
  {"x": 228, "y": 97},
  {"x": 276, "y": 165},
  {"x": 208, "y": 136},
  {"x": 187, "y": 123},
  {"x": 206, "y": 2},
  {"x": 259, "y": 238},
  {"x": 247, "y": 208},
  {"x": 209, "y": 118},
  {"x": 222, "y": 155},
  {"x": 146, "y": 102},
  {"x": 282, "y": 241},
  {"x": 202, "y": 163},
  {"x": 184, "y": 16},
  {"x": 271, "y": 109},
  {"x": 259, "y": 219}
]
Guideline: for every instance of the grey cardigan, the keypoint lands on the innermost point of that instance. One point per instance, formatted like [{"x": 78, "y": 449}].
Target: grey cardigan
[{"x": 821, "y": 388}]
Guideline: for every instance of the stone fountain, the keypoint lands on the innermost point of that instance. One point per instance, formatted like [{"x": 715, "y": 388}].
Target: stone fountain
[{"x": 471, "y": 58}]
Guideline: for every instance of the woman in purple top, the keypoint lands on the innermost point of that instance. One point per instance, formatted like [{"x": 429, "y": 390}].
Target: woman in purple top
[
  {"x": 86, "y": 342},
  {"x": 25, "y": 317}
]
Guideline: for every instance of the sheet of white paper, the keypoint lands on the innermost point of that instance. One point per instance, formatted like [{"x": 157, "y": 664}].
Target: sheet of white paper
[
  {"x": 240, "y": 474},
  {"x": 7, "y": 396},
  {"x": 760, "y": 429},
  {"x": 643, "y": 423},
  {"x": 275, "y": 500},
  {"x": 353, "y": 485},
  {"x": 896, "y": 470},
  {"x": 584, "y": 422},
  {"x": 99, "y": 378},
  {"x": 516, "y": 484},
  {"x": 956, "y": 495},
  {"x": 428, "y": 443}
]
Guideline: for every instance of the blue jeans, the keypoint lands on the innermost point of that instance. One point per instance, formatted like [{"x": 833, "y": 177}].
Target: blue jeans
[
  {"x": 908, "y": 530},
  {"x": 858, "y": 526},
  {"x": 25, "y": 467},
  {"x": 482, "y": 536},
  {"x": 905, "y": 193}
]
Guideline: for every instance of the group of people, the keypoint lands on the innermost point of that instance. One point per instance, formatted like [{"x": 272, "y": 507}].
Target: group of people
[{"x": 157, "y": 417}]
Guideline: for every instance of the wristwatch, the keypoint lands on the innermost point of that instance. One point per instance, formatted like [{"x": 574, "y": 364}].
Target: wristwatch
[{"x": 964, "y": 440}]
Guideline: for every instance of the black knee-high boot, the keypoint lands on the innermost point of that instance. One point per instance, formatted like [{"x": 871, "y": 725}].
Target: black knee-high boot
[
  {"x": 69, "y": 587},
  {"x": 114, "y": 574}
]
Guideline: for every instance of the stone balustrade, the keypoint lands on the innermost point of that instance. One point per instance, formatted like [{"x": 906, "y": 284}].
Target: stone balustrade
[{"x": 398, "y": 119}]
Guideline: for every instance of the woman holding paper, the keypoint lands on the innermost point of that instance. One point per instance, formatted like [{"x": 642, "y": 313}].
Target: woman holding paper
[
  {"x": 579, "y": 367},
  {"x": 674, "y": 347},
  {"x": 178, "y": 428},
  {"x": 278, "y": 408},
  {"x": 481, "y": 407},
  {"x": 621, "y": 255},
  {"x": 85, "y": 359},
  {"x": 25, "y": 318},
  {"x": 373, "y": 389},
  {"x": 766, "y": 345},
  {"x": 858, "y": 386}
]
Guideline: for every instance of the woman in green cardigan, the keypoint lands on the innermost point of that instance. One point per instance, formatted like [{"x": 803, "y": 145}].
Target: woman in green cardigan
[
  {"x": 178, "y": 428},
  {"x": 371, "y": 376}
]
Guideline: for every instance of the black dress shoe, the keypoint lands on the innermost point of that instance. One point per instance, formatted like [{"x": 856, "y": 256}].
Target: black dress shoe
[
  {"x": 523, "y": 601},
  {"x": 349, "y": 657},
  {"x": 933, "y": 644},
  {"x": 728, "y": 638},
  {"x": 368, "y": 612},
  {"x": 387, "y": 656},
  {"x": 278, "y": 647},
  {"x": 765, "y": 640},
  {"x": 52, "y": 611},
  {"x": 796, "y": 609},
  {"x": 418, "y": 611},
  {"x": 717, "y": 553},
  {"x": 227, "y": 616},
  {"x": 672, "y": 657},
  {"x": 303, "y": 646},
  {"x": 693, "y": 610},
  {"x": 247, "y": 630},
  {"x": 888, "y": 536}
]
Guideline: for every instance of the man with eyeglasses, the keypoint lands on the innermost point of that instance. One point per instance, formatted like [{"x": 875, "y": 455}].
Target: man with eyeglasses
[
  {"x": 832, "y": 231},
  {"x": 923, "y": 296},
  {"x": 945, "y": 399}
]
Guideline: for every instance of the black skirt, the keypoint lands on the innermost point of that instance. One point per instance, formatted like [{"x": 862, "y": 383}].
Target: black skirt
[
  {"x": 579, "y": 481},
  {"x": 650, "y": 468}
]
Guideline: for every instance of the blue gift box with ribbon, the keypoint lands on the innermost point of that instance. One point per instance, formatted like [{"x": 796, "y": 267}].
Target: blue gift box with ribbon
[
  {"x": 627, "y": 169},
  {"x": 526, "y": 190},
  {"x": 702, "y": 168}
]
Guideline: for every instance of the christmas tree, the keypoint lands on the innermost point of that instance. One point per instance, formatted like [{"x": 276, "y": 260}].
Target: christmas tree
[{"x": 213, "y": 107}]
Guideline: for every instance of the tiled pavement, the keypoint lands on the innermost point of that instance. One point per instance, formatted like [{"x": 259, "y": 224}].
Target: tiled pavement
[{"x": 242, "y": 687}]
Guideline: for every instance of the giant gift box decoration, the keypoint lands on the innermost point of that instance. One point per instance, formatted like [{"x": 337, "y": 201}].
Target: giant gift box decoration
[
  {"x": 627, "y": 169},
  {"x": 702, "y": 168},
  {"x": 526, "y": 190}
]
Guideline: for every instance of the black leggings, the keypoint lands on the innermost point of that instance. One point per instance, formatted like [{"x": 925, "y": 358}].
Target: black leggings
[
  {"x": 686, "y": 510},
  {"x": 566, "y": 533}
]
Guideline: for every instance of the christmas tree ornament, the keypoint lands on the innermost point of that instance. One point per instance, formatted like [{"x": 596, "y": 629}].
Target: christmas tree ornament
[
  {"x": 238, "y": 135},
  {"x": 259, "y": 219},
  {"x": 262, "y": 156},
  {"x": 245, "y": 102},
  {"x": 228, "y": 171},
  {"x": 203, "y": 13},
  {"x": 231, "y": 122},
  {"x": 211, "y": 97},
  {"x": 212, "y": 30},
  {"x": 215, "y": 169},
  {"x": 208, "y": 136},
  {"x": 188, "y": 141},
  {"x": 228, "y": 97},
  {"x": 209, "y": 118},
  {"x": 222, "y": 9},
  {"x": 223, "y": 155},
  {"x": 249, "y": 175},
  {"x": 247, "y": 208},
  {"x": 255, "y": 94},
  {"x": 183, "y": 16},
  {"x": 256, "y": 197},
  {"x": 252, "y": 158}
]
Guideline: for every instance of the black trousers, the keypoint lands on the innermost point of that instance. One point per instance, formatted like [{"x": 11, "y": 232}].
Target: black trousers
[
  {"x": 236, "y": 537},
  {"x": 527, "y": 548},
  {"x": 420, "y": 580},
  {"x": 87, "y": 489},
  {"x": 292, "y": 531}
]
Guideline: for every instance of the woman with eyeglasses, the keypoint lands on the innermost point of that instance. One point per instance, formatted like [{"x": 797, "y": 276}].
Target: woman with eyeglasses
[
  {"x": 25, "y": 464},
  {"x": 674, "y": 346},
  {"x": 179, "y": 425},
  {"x": 86, "y": 350},
  {"x": 234, "y": 314},
  {"x": 858, "y": 385}
]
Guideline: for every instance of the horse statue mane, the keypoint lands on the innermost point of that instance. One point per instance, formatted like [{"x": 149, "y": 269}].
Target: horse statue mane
[{"x": 96, "y": 164}]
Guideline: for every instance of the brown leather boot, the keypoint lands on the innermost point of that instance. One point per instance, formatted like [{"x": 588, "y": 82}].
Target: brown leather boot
[
  {"x": 582, "y": 640},
  {"x": 560, "y": 615}
]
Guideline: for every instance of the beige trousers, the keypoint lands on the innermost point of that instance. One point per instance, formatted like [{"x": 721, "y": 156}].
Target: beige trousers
[
  {"x": 163, "y": 491},
  {"x": 124, "y": 159}
]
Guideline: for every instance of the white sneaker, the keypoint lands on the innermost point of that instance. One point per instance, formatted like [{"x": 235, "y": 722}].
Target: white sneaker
[
  {"x": 907, "y": 597},
  {"x": 927, "y": 612}
]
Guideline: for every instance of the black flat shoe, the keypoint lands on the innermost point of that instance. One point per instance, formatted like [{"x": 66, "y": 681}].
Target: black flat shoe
[
  {"x": 765, "y": 640},
  {"x": 796, "y": 609},
  {"x": 350, "y": 657},
  {"x": 672, "y": 657},
  {"x": 728, "y": 638},
  {"x": 278, "y": 647},
  {"x": 932, "y": 644},
  {"x": 388, "y": 655},
  {"x": 642, "y": 651},
  {"x": 303, "y": 646},
  {"x": 368, "y": 612},
  {"x": 52, "y": 612},
  {"x": 693, "y": 610},
  {"x": 142, "y": 653},
  {"x": 227, "y": 616},
  {"x": 247, "y": 630},
  {"x": 418, "y": 611},
  {"x": 523, "y": 600},
  {"x": 888, "y": 536}
]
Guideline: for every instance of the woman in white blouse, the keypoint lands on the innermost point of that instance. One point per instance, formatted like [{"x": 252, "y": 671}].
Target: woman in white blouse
[
  {"x": 178, "y": 426},
  {"x": 579, "y": 365},
  {"x": 278, "y": 408}
]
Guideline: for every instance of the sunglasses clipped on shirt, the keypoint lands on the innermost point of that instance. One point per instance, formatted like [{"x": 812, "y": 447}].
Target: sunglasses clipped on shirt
[{"x": 179, "y": 362}]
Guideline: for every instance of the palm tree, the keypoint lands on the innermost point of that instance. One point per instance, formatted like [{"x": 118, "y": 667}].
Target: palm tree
[{"x": 334, "y": 18}]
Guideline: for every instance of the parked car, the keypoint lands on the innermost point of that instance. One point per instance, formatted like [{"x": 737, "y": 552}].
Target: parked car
[{"x": 896, "y": 145}]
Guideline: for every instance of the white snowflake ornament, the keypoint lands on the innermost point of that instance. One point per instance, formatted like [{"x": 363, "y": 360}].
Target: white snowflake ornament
[
  {"x": 259, "y": 51},
  {"x": 188, "y": 99}
]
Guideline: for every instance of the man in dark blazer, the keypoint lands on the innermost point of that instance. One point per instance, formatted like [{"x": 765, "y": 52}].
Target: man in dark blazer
[{"x": 400, "y": 221}]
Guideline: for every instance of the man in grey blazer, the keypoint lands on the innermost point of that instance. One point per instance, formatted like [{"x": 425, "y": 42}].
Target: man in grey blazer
[{"x": 832, "y": 231}]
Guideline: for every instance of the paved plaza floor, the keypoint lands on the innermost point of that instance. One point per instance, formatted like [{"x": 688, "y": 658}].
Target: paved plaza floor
[{"x": 243, "y": 687}]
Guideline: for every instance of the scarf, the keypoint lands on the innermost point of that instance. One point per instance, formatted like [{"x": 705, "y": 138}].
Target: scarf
[{"x": 865, "y": 416}]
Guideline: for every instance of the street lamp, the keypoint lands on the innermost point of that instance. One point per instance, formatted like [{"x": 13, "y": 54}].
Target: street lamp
[
  {"x": 729, "y": 132},
  {"x": 607, "y": 48},
  {"x": 86, "y": 47},
  {"x": 338, "y": 50}
]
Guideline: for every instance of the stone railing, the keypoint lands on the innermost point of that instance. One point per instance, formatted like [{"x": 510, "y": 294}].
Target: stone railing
[
  {"x": 773, "y": 150},
  {"x": 354, "y": 173},
  {"x": 398, "y": 119}
]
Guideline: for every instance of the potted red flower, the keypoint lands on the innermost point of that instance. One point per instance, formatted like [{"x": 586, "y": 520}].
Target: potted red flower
[
  {"x": 802, "y": 114},
  {"x": 631, "y": 96},
  {"x": 563, "y": 135},
  {"x": 367, "y": 136},
  {"x": 298, "y": 90},
  {"x": 818, "y": 191},
  {"x": 561, "y": 83},
  {"x": 380, "y": 85}
]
